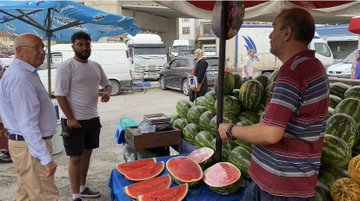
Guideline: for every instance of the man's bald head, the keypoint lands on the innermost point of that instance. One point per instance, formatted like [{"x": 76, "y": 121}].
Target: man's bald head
[{"x": 30, "y": 49}]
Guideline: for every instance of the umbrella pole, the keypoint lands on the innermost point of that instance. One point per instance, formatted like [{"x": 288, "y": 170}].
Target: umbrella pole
[
  {"x": 48, "y": 35},
  {"x": 221, "y": 73}
]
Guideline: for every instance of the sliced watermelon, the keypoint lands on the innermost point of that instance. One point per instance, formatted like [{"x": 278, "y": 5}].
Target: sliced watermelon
[
  {"x": 145, "y": 172},
  {"x": 203, "y": 156},
  {"x": 176, "y": 193},
  {"x": 223, "y": 178},
  {"x": 184, "y": 170},
  {"x": 148, "y": 186},
  {"x": 124, "y": 168}
]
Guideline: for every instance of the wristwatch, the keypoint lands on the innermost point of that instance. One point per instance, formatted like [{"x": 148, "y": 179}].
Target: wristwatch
[{"x": 229, "y": 133}]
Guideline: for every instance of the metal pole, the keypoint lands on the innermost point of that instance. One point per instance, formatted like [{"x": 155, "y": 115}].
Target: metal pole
[
  {"x": 48, "y": 36},
  {"x": 220, "y": 92}
]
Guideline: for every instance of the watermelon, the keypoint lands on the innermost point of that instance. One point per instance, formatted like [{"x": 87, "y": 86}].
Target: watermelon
[
  {"x": 345, "y": 189},
  {"x": 229, "y": 83},
  {"x": 194, "y": 113},
  {"x": 335, "y": 152},
  {"x": 268, "y": 92},
  {"x": 203, "y": 139},
  {"x": 180, "y": 123},
  {"x": 331, "y": 112},
  {"x": 350, "y": 106},
  {"x": 223, "y": 178},
  {"x": 244, "y": 144},
  {"x": 354, "y": 169},
  {"x": 251, "y": 116},
  {"x": 236, "y": 93},
  {"x": 238, "y": 80},
  {"x": 244, "y": 122},
  {"x": 190, "y": 131},
  {"x": 329, "y": 175},
  {"x": 124, "y": 168},
  {"x": 176, "y": 193},
  {"x": 334, "y": 100},
  {"x": 200, "y": 101},
  {"x": 229, "y": 118},
  {"x": 184, "y": 170},
  {"x": 209, "y": 101},
  {"x": 352, "y": 92},
  {"x": 322, "y": 193},
  {"x": 148, "y": 186},
  {"x": 213, "y": 125},
  {"x": 265, "y": 81},
  {"x": 174, "y": 117},
  {"x": 343, "y": 126},
  {"x": 250, "y": 95},
  {"x": 226, "y": 148},
  {"x": 145, "y": 172},
  {"x": 182, "y": 107},
  {"x": 274, "y": 76},
  {"x": 203, "y": 156},
  {"x": 356, "y": 149},
  {"x": 204, "y": 120},
  {"x": 241, "y": 157},
  {"x": 231, "y": 105},
  {"x": 338, "y": 89}
]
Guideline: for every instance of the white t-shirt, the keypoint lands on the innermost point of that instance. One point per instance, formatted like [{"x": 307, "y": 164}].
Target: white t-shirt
[
  {"x": 249, "y": 65},
  {"x": 80, "y": 82}
]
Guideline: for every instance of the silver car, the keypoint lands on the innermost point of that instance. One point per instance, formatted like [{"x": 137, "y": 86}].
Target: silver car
[{"x": 343, "y": 69}]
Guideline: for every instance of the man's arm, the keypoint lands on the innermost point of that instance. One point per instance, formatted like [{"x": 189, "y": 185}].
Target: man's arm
[
  {"x": 255, "y": 134},
  {"x": 245, "y": 71},
  {"x": 65, "y": 107}
]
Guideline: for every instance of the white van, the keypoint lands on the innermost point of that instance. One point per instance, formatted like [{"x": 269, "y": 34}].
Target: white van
[{"x": 113, "y": 57}]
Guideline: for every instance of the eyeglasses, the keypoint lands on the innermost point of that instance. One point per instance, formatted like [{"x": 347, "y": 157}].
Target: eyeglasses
[{"x": 36, "y": 48}]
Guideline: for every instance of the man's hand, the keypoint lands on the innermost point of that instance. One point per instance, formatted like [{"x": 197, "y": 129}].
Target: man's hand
[
  {"x": 73, "y": 123},
  {"x": 50, "y": 169},
  {"x": 105, "y": 97},
  {"x": 222, "y": 131}
]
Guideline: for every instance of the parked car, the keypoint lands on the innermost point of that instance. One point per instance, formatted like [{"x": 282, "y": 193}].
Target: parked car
[
  {"x": 175, "y": 74},
  {"x": 343, "y": 69}
]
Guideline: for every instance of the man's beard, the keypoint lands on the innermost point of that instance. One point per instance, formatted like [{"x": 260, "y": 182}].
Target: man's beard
[{"x": 82, "y": 56}]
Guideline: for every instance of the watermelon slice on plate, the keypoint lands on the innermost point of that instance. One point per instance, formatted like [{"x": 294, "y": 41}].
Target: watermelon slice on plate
[
  {"x": 148, "y": 186},
  {"x": 203, "y": 156},
  {"x": 184, "y": 170},
  {"x": 146, "y": 172},
  {"x": 123, "y": 168},
  {"x": 176, "y": 193}
]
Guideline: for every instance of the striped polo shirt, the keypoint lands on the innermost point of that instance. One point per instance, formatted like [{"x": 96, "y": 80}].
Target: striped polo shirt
[{"x": 299, "y": 104}]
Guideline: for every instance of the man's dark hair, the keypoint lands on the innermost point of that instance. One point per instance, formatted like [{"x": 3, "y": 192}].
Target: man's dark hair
[
  {"x": 80, "y": 35},
  {"x": 301, "y": 22}
]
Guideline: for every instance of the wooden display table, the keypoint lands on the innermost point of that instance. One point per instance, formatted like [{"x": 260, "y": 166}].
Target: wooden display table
[{"x": 140, "y": 141}]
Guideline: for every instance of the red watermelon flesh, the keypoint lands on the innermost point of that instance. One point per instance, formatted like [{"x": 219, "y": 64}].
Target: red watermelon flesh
[
  {"x": 202, "y": 154},
  {"x": 146, "y": 172},
  {"x": 176, "y": 193},
  {"x": 148, "y": 186},
  {"x": 124, "y": 168},
  {"x": 184, "y": 170},
  {"x": 221, "y": 174}
]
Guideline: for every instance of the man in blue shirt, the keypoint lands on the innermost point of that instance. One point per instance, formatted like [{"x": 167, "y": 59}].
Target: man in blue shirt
[{"x": 29, "y": 116}]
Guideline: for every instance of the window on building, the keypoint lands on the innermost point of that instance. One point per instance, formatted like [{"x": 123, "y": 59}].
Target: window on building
[
  {"x": 186, "y": 30},
  {"x": 185, "y": 19},
  {"x": 207, "y": 30}
]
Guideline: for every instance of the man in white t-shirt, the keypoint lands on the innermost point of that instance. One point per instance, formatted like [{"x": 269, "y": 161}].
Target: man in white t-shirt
[
  {"x": 248, "y": 67},
  {"x": 76, "y": 90}
]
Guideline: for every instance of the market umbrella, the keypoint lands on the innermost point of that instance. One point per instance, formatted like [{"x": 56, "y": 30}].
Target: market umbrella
[
  {"x": 354, "y": 25},
  {"x": 58, "y": 20}
]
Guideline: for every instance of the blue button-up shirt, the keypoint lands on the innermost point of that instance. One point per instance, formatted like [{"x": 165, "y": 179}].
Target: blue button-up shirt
[{"x": 26, "y": 108}]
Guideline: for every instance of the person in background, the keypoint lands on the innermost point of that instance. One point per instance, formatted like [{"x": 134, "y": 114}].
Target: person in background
[
  {"x": 29, "y": 117},
  {"x": 288, "y": 142},
  {"x": 77, "y": 92},
  {"x": 200, "y": 73},
  {"x": 355, "y": 67},
  {"x": 248, "y": 68}
]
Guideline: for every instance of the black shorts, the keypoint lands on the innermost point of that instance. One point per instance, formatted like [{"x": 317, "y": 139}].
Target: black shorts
[{"x": 86, "y": 137}]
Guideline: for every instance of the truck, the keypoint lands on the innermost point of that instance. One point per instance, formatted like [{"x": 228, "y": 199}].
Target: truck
[
  {"x": 179, "y": 46},
  {"x": 113, "y": 58},
  {"x": 147, "y": 55},
  {"x": 256, "y": 37}
]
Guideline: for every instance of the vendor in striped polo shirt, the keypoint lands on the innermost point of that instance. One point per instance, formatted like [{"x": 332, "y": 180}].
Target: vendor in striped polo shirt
[{"x": 288, "y": 141}]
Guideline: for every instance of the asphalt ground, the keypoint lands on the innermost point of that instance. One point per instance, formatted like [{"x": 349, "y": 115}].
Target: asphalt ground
[{"x": 104, "y": 159}]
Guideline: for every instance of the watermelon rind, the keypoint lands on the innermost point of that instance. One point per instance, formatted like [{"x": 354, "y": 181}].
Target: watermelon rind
[
  {"x": 124, "y": 168},
  {"x": 203, "y": 156},
  {"x": 183, "y": 170},
  {"x": 176, "y": 193},
  {"x": 336, "y": 153},
  {"x": 145, "y": 172},
  {"x": 221, "y": 172},
  {"x": 147, "y": 186}
]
